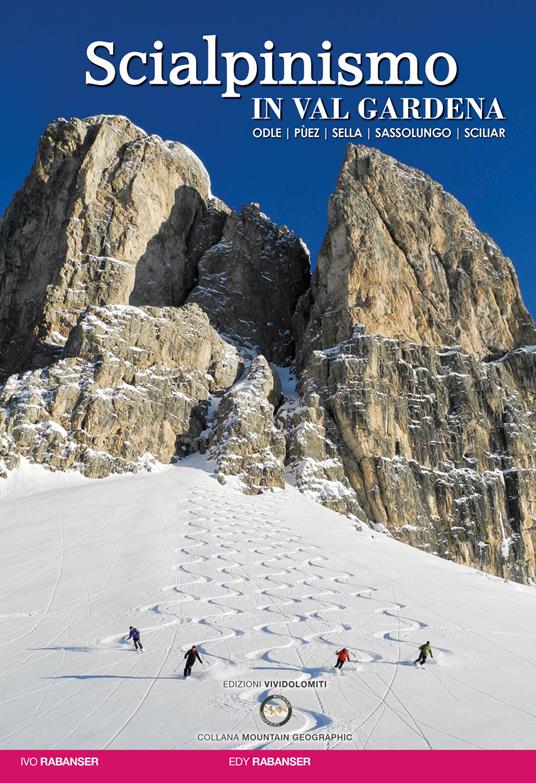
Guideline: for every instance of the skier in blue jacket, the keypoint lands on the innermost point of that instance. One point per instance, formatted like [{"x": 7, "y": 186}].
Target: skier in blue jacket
[{"x": 135, "y": 636}]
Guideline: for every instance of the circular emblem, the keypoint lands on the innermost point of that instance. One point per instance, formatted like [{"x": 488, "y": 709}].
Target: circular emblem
[{"x": 276, "y": 710}]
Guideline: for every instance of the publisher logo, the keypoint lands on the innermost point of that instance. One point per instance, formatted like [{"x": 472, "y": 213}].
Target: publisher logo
[{"x": 276, "y": 710}]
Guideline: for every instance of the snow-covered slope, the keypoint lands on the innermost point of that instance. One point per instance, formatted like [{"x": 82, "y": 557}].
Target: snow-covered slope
[{"x": 268, "y": 587}]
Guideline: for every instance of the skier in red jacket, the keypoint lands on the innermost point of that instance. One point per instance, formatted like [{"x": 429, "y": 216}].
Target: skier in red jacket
[{"x": 342, "y": 656}]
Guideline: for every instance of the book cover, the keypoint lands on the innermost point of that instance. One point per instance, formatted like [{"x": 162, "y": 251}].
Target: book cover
[{"x": 267, "y": 388}]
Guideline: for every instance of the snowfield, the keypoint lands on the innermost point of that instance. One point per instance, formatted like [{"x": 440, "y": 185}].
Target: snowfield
[{"x": 269, "y": 588}]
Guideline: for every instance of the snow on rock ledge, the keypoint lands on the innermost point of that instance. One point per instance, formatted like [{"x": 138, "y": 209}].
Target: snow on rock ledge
[
  {"x": 133, "y": 386},
  {"x": 244, "y": 440}
]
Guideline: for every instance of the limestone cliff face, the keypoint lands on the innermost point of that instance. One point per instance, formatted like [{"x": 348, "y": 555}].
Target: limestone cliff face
[
  {"x": 403, "y": 258},
  {"x": 244, "y": 440},
  {"x": 139, "y": 316},
  {"x": 105, "y": 217},
  {"x": 105, "y": 365},
  {"x": 250, "y": 282},
  {"x": 416, "y": 342},
  {"x": 132, "y": 387},
  {"x": 112, "y": 215}
]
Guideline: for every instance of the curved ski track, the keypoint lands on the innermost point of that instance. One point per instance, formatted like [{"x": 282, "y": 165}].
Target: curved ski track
[{"x": 262, "y": 602}]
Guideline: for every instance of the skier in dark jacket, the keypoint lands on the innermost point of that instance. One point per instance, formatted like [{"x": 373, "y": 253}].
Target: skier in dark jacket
[
  {"x": 135, "y": 636},
  {"x": 425, "y": 651},
  {"x": 342, "y": 656},
  {"x": 191, "y": 656}
]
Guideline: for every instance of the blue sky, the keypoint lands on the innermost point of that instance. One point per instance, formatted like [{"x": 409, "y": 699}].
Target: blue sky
[{"x": 43, "y": 62}]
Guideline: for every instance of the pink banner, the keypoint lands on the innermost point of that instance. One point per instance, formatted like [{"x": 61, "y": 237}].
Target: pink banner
[{"x": 241, "y": 765}]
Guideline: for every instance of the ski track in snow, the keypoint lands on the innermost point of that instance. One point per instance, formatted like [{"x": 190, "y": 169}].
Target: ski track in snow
[{"x": 268, "y": 588}]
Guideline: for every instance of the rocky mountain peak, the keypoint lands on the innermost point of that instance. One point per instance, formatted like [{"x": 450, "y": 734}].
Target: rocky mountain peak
[
  {"x": 112, "y": 215},
  {"x": 403, "y": 258},
  {"x": 139, "y": 315},
  {"x": 417, "y": 371},
  {"x": 104, "y": 217}
]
